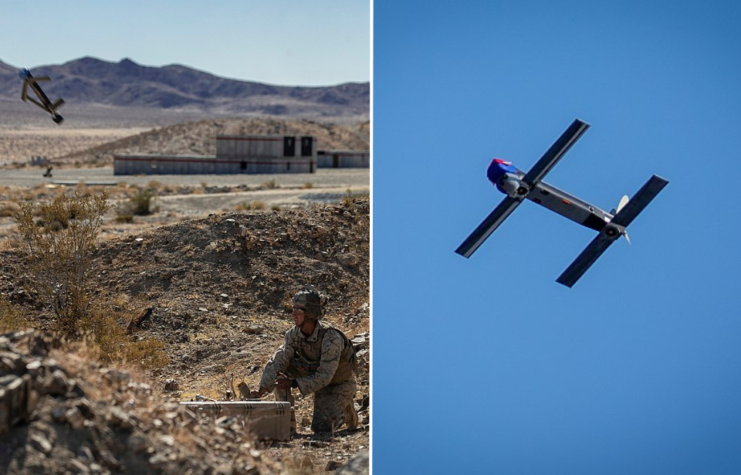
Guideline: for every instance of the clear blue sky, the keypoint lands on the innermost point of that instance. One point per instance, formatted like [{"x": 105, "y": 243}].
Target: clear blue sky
[
  {"x": 285, "y": 42},
  {"x": 487, "y": 365}
]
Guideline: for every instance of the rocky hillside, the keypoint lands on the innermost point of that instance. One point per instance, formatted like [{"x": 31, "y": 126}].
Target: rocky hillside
[
  {"x": 127, "y": 84},
  {"x": 217, "y": 292},
  {"x": 199, "y": 138}
]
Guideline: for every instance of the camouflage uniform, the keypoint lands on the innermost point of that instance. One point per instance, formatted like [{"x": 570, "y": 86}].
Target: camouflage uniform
[{"x": 321, "y": 363}]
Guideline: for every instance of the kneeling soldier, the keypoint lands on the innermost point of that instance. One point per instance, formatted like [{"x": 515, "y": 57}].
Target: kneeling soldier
[{"x": 315, "y": 358}]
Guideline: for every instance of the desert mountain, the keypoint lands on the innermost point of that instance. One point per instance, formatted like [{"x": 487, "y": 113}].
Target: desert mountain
[{"x": 128, "y": 84}]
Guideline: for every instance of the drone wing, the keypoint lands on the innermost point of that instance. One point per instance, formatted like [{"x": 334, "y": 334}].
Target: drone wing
[
  {"x": 488, "y": 226},
  {"x": 588, "y": 256},
  {"x": 554, "y": 154},
  {"x": 603, "y": 240},
  {"x": 637, "y": 204},
  {"x": 532, "y": 178}
]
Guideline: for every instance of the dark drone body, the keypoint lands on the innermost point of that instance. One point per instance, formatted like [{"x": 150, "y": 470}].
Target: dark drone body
[
  {"x": 519, "y": 186},
  {"x": 31, "y": 82}
]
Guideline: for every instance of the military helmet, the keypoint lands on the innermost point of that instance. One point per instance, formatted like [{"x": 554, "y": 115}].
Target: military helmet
[{"x": 311, "y": 300}]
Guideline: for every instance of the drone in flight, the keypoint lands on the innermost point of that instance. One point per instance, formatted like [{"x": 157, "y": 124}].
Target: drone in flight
[
  {"x": 518, "y": 186},
  {"x": 29, "y": 81}
]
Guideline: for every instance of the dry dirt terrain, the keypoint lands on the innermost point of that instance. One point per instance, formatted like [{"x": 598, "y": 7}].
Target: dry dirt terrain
[
  {"x": 213, "y": 269},
  {"x": 91, "y": 134},
  {"x": 218, "y": 292}
]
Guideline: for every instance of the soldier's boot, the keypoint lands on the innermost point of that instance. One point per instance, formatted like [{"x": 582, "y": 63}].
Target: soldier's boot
[
  {"x": 285, "y": 395},
  {"x": 351, "y": 416}
]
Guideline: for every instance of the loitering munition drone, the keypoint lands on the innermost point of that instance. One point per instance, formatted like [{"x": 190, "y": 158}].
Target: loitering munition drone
[
  {"x": 518, "y": 186},
  {"x": 30, "y": 81}
]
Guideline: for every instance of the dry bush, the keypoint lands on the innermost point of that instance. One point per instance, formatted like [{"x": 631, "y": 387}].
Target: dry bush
[
  {"x": 270, "y": 185},
  {"x": 60, "y": 247},
  {"x": 140, "y": 203},
  {"x": 122, "y": 217},
  {"x": 250, "y": 205},
  {"x": 108, "y": 340},
  {"x": 82, "y": 189},
  {"x": 11, "y": 317},
  {"x": 350, "y": 196},
  {"x": 8, "y": 209}
]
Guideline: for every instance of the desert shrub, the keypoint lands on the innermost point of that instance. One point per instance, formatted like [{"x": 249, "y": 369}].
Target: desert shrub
[
  {"x": 250, "y": 205},
  {"x": 60, "y": 246},
  {"x": 82, "y": 189},
  {"x": 123, "y": 217},
  {"x": 107, "y": 337},
  {"x": 350, "y": 196},
  {"x": 11, "y": 318},
  {"x": 270, "y": 185},
  {"x": 308, "y": 185},
  {"x": 140, "y": 203},
  {"x": 8, "y": 209}
]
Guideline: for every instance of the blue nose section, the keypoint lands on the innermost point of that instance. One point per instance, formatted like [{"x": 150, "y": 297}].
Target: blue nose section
[
  {"x": 24, "y": 73},
  {"x": 497, "y": 168}
]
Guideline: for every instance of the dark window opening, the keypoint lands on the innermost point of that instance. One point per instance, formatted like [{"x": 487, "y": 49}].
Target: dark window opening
[
  {"x": 289, "y": 146},
  {"x": 307, "y": 146}
]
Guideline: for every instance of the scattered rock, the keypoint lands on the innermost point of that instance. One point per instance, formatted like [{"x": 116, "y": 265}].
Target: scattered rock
[
  {"x": 332, "y": 465},
  {"x": 40, "y": 443},
  {"x": 172, "y": 385},
  {"x": 74, "y": 417},
  {"x": 348, "y": 259},
  {"x": 359, "y": 464},
  {"x": 58, "y": 384}
]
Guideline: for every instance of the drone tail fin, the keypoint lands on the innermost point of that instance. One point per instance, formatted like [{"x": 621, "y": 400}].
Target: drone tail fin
[{"x": 57, "y": 104}]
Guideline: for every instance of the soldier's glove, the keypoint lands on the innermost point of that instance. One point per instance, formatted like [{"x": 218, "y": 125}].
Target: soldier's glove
[
  {"x": 259, "y": 393},
  {"x": 284, "y": 383}
]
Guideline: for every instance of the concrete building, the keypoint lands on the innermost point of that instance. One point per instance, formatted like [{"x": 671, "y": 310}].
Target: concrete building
[
  {"x": 251, "y": 154},
  {"x": 343, "y": 159}
]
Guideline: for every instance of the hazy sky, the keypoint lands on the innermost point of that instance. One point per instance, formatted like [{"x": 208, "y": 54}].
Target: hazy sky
[
  {"x": 487, "y": 365},
  {"x": 283, "y": 42}
]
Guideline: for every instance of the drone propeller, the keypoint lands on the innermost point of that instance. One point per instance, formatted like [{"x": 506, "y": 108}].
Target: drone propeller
[{"x": 623, "y": 201}]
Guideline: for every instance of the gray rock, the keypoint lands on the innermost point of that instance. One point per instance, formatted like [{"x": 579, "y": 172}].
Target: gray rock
[
  {"x": 117, "y": 417},
  {"x": 58, "y": 383},
  {"x": 358, "y": 465},
  {"x": 74, "y": 417},
  {"x": 57, "y": 414},
  {"x": 78, "y": 467},
  {"x": 41, "y": 444},
  {"x": 34, "y": 368},
  {"x": 137, "y": 443},
  {"x": 172, "y": 385},
  {"x": 85, "y": 453}
]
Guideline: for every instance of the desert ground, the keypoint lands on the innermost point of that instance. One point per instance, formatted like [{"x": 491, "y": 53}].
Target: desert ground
[{"x": 213, "y": 264}]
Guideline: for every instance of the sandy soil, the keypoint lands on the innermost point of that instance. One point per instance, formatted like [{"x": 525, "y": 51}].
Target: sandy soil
[
  {"x": 219, "y": 292},
  {"x": 182, "y": 259}
]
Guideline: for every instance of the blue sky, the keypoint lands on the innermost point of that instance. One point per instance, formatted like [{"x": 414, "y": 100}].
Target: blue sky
[
  {"x": 487, "y": 365},
  {"x": 285, "y": 42}
]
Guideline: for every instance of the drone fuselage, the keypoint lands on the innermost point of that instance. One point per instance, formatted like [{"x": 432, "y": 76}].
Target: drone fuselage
[
  {"x": 509, "y": 180},
  {"x": 518, "y": 186},
  {"x": 31, "y": 82}
]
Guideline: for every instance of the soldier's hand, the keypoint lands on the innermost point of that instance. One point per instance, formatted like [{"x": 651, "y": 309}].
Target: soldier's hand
[
  {"x": 283, "y": 383},
  {"x": 258, "y": 394}
]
